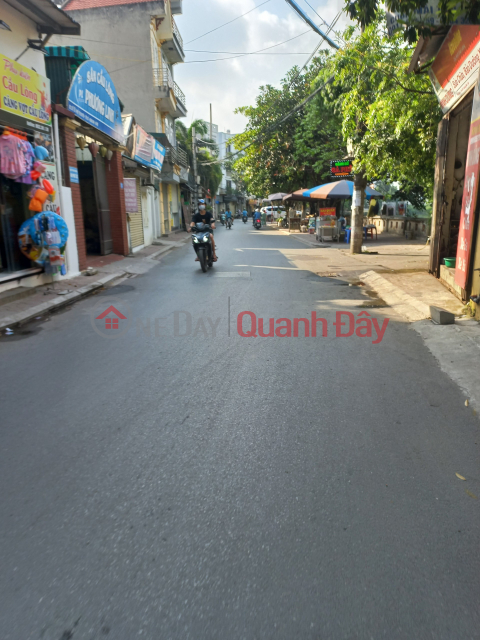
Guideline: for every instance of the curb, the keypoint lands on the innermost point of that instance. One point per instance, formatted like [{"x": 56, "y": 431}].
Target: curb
[
  {"x": 406, "y": 305},
  {"x": 57, "y": 303}
]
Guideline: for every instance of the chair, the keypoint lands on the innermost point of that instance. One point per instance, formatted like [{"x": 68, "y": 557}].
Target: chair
[{"x": 370, "y": 229}]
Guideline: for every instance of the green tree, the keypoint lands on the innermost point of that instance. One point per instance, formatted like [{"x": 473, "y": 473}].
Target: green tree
[
  {"x": 414, "y": 23},
  {"x": 293, "y": 154},
  {"x": 208, "y": 169},
  {"x": 390, "y": 117}
]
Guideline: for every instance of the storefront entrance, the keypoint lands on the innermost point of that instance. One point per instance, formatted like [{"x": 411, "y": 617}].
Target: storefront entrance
[
  {"x": 13, "y": 212},
  {"x": 95, "y": 205}
]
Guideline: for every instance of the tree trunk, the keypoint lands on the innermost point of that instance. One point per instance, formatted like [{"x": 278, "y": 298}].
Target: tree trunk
[{"x": 356, "y": 237}]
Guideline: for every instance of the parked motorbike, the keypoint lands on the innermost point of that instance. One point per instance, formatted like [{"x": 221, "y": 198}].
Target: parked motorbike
[{"x": 202, "y": 244}]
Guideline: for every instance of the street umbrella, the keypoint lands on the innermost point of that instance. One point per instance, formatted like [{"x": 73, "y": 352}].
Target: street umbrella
[
  {"x": 296, "y": 195},
  {"x": 276, "y": 196},
  {"x": 340, "y": 190}
]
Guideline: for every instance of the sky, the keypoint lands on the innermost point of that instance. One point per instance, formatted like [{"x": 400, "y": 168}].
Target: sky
[{"x": 229, "y": 84}]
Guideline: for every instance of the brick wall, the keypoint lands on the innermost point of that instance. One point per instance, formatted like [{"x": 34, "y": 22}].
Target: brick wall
[
  {"x": 116, "y": 200},
  {"x": 69, "y": 159}
]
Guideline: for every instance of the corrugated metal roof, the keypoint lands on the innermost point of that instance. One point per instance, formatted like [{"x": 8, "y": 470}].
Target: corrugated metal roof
[
  {"x": 79, "y": 5},
  {"x": 47, "y": 16}
]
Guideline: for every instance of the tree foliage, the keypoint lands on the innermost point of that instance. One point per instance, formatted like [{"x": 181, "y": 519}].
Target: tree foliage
[
  {"x": 369, "y": 103},
  {"x": 294, "y": 154},
  {"x": 389, "y": 116},
  {"x": 414, "y": 23}
]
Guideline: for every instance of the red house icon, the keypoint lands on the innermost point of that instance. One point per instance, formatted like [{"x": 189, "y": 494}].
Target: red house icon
[{"x": 111, "y": 323}]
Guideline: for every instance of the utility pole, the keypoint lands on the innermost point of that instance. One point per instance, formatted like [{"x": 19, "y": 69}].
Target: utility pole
[
  {"x": 194, "y": 153},
  {"x": 356, "y": 239},
  {"x": 359, "y": 184},
  {"x": 212, "y": 195}
]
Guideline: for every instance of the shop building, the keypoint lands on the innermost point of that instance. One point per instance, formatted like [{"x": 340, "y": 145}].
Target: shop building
[
  {"x": 142, "y": 164},
  {"x": 452, "y": 55},
  {"x": 26, "y": 116},
  {"x": 148, "y": 89},
  {"x": 92, "y": 142}
]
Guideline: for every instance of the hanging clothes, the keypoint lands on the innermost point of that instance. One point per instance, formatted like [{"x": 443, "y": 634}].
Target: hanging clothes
[
  {"x": 29, "y": 158},
  {"x": 12, "y": 157}
]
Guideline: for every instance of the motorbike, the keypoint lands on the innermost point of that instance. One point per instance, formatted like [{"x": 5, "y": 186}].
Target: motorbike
[
  {"x": 222, "y": 219},
  {"x": 229, "y": 223},
  {"x": 257, "y": 223},
  {"x": 244, "y": 219},
  {"x": 202, "y": 244}
]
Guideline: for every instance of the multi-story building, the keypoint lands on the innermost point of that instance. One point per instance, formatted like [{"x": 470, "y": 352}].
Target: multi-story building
[
  {"x": 139, "y": 43},
  {"x": 228, "y": 190}
]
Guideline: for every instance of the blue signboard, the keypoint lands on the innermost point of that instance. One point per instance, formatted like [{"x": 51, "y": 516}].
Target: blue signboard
[
  {"x": 93, "y": 98},
  {"x": 147, "y": 150},
  {"x": 74, "y": 175},
  {"x": 158, "y": 155}
]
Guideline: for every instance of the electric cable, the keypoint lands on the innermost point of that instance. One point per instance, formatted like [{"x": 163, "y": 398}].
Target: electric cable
[
  {"x": 274, "y": 125},
  {"x": 229, "y": 22}
]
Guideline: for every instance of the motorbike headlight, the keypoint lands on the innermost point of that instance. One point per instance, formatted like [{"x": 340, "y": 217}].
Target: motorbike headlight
[
  {"x": 195, "y": 239},
  {"x": 205, "y": 238}
]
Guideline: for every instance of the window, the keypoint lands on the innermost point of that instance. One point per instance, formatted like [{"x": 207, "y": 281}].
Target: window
[
  {"x": 229, "y": 148},
  {"x": 229, "y": 184}
]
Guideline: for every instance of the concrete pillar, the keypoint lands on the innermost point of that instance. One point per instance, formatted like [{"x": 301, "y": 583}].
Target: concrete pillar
[{"x": 69, "y": 159}]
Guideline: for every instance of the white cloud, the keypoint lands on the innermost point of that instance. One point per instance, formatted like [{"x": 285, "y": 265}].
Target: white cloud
[{"x": 232, "y": 83}]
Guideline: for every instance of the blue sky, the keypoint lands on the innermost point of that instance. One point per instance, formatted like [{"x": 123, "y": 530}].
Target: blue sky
[{"x": 228, "y": 84}]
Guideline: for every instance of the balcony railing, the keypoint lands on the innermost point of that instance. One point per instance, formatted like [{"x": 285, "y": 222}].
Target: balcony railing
[
  {"x": 177, "y": 35},
  {"x": 177, "y": 156},
  {"x": 180, "y": 96},
  {"x": 163, "y": 78}
]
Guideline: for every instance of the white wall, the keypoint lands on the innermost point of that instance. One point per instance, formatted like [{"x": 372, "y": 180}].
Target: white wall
[{"x": 13, "y": 42}]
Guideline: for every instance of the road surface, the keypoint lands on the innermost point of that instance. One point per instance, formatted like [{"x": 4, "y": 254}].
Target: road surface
[{"x": 174, "y": 484}]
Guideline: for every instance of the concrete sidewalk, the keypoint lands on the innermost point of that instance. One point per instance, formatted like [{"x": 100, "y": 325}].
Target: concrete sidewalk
[
  {"x": 21, "y": 305},
  {"x": 395, "y": 269}
]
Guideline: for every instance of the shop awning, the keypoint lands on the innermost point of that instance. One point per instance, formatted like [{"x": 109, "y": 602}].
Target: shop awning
[
  {"x": 75, "y": 52},
  {"x": 47, "y": 16}
]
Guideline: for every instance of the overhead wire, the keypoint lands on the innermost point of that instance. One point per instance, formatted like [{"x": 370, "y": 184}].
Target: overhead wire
[
  {"x": 253, "y": 52},
  {"x": 274, "y": 125},
  {"x": 229, "y": 22}
]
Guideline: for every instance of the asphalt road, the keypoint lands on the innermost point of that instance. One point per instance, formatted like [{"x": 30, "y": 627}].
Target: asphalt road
[{"x": 223, "y": 487}]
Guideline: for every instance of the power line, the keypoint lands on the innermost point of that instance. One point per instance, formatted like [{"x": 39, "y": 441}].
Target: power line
[
  {"x": 310, "y": 23},
  {"x": 273, "y": 126},
  {"x": 229, "y": 22},
  {"x": 240, "y": 55},
  {"x": 252, "y": 53},
  {"x": 330, "y": 28}
]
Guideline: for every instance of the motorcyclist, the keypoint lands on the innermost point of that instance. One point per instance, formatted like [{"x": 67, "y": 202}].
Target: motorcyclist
[
  {"x": 244, "y": 214},
  {"x": 207, "y": 218},
  {"x": 256, "y": 216},
  {"x": 228, "y": 215}
]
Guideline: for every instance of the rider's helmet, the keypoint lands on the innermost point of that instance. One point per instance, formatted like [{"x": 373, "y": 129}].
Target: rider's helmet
[{"x": 201, "y": 201}]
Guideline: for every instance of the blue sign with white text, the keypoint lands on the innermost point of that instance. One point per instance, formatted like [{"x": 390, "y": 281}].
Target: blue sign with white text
[
  {"x": 74, "y": 175},
  {"x": 158, "y": 155},
  {"x": 93, "y": 98}
]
